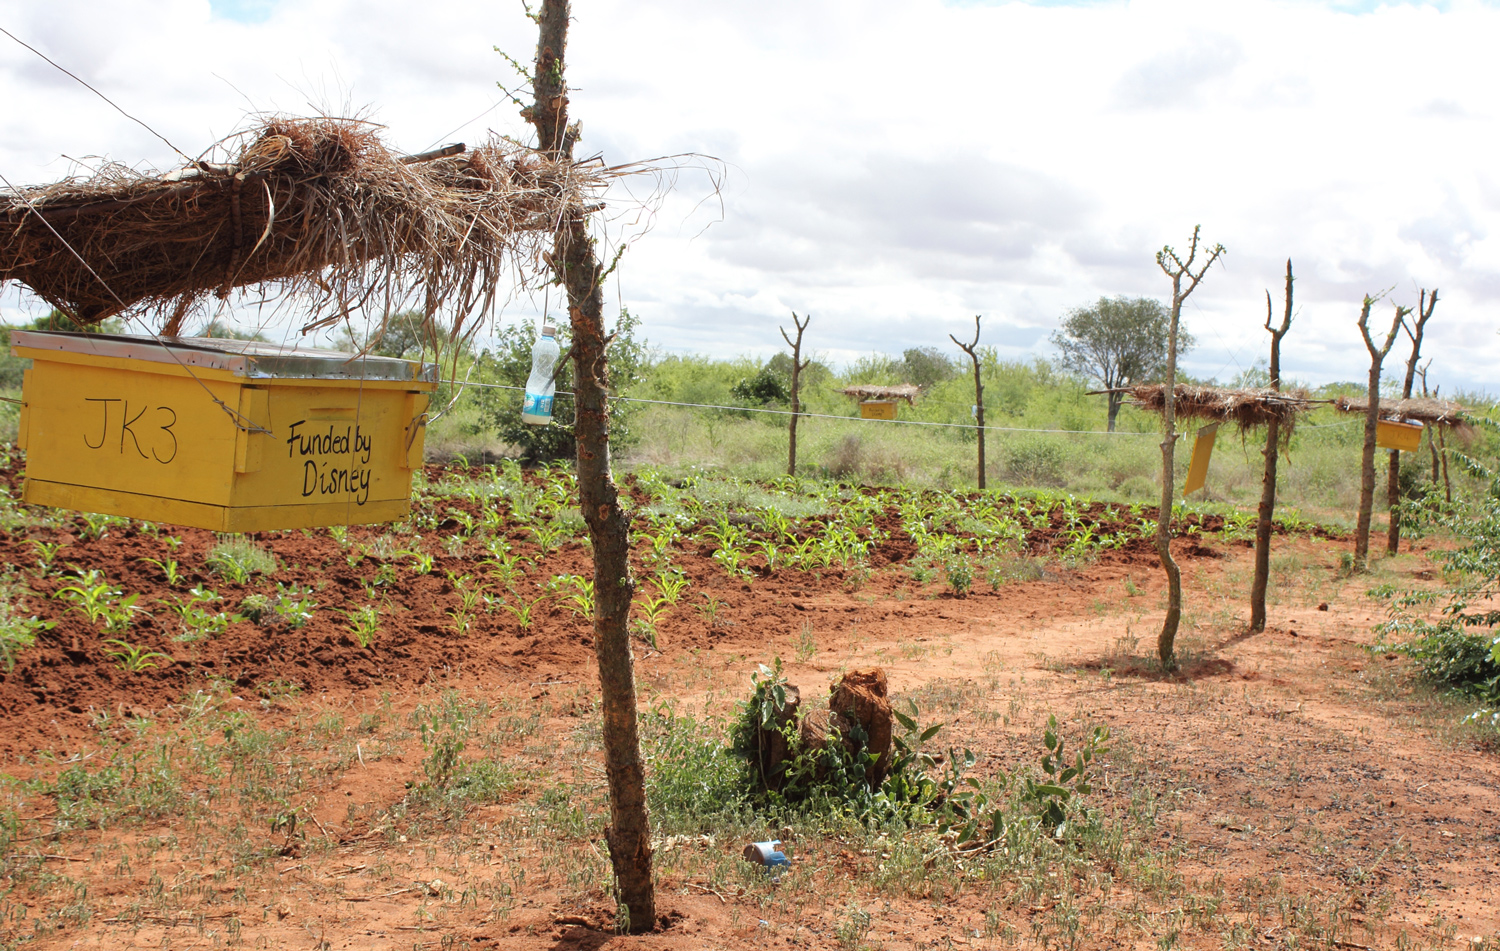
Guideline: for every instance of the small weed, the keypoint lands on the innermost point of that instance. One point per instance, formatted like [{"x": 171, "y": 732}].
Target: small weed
[
  {"x": 671, "y": 584},
  {"x": 235, "y": 558},
  {"x": 522, "y": 610},
  {"x": 96, "y": 526},
  {"x": 581, "y": 601},
  {"x": 645, "y": 630},
  {"x": 46, "y": 552},
  {"x": 169, "y": 570},
  {"x": 17, "y": 633},
  {"x": 807, "y": 645},
  {"x": 200, "y": 623},
  {"x": 710, "y": 609},
  {"x": 364, "y": 624},
  {"x": 294, "y": 605},
  {"x": 421, "y": 561},
  {"x": 256, "y": 608},
  {"x": 134, "y": 658},
  {"x": 960, "y": 576}
]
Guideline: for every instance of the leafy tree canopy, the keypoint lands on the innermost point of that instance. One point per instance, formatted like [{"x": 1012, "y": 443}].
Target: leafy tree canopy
[
  {"x": 1118, "y": 341},
  {"x": 927, "y": 367}
]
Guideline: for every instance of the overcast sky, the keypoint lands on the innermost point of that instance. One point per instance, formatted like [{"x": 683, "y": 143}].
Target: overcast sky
[{"x": 894, "y": 168}]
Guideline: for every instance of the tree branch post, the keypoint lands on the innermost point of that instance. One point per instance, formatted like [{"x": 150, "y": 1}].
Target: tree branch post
[
  {"x": 1372, "y": 421},
  {"x": 798, "y": 365},
  {"x": 1435, "y": 440},
  {"x": 1184, "y": 282},
  {"x": 1425, "y": 305},
  {"x": 1267, "y": 509},
  {"x": 576, "y": 266},
  {"x": 972, "y": 349}
]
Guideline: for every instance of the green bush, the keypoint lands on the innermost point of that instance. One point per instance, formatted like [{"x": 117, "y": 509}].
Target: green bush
[
  {"x": 509, "y": 364},
  {"x": 1460, "y": 649},
  {"x": 1035, "y": 460},
  {"x": 693, "y": 781}
]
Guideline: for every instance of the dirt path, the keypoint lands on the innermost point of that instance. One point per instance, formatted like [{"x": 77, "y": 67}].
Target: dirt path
[{"x": 1288, "y": 789}]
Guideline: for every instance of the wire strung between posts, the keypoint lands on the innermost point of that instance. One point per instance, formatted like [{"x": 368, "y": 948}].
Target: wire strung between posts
[
  {"x": 787, "y": 412},
  {"x": 856, "y": 419}
]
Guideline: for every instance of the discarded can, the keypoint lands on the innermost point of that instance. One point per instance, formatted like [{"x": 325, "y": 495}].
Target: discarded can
[{"x": 766, "y": 853}]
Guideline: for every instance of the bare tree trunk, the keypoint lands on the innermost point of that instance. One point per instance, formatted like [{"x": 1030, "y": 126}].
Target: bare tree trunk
[
  {"x": 798, "y": 365},
  {"x": 1115, "y": 399},
  {"x": 972, "y": 350},
  {"x": 1372, "y": 418},
  {"x": 1392, "y": 500},
  {"x": 1425, "y": 305},
  {"x": 1432, "y": 431},
  {"x": 1443, "y": 451},
  {"x": 1267, "y": 511},
  {"x": 577, "y": 267},
  {"x": 1177, "y": 269}
]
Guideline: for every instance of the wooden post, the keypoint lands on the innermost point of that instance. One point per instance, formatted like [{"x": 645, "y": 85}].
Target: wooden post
[
  {"x": 1177, "y": 269},
  {"x": 1372, "y": 417},
  {"x": 972, "y": 350},
  {"x": 1425, "y": 305},
  {"x": 576, "y": 266},
  {"x": 1268, "y": 480},
  {"x": 798, "y": 365}
]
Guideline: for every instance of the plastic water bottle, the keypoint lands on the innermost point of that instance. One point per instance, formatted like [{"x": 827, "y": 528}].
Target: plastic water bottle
[{"x": 536, "y": 407}]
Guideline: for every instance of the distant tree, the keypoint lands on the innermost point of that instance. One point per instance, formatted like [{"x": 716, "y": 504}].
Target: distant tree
[
  {"x": 1119, "y": 341},
  {"x": 223, "y": 330},
  {"x": 815, "y": 373},
  {"x": 13, "y": 368},
  {"x": 408, "y": 333},
  {"x": 927, "y": 367},
  {"x": 57, "y": 320},
  {"x": 764, "y": 388}
]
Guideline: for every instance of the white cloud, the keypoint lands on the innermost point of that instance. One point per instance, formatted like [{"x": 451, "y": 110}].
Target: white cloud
[{"x": 896, "y": 167}]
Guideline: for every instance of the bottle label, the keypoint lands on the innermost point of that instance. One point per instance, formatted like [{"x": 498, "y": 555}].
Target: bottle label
[{"x": 535, "y": 404}]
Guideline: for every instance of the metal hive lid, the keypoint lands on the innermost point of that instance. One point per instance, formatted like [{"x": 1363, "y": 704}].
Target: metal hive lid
[{"x": 252, "y": 359}]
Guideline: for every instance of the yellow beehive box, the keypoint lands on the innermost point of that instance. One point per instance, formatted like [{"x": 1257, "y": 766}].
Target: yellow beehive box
[
  {"x": 877, "y": 409},
  {"x": 1406, "y": 437},
  {"x": 228, "y": 435}
]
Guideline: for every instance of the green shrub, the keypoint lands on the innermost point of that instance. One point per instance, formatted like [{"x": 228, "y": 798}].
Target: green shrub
[
  {"x": 1034, "y": 460},
  {"x": 1460, "y": 649},
  {"x": 509, "y": 364},
  {"x": 17, "y": 632},
  {"x": 693, "y": 781},
  {"x": 235, "y": 558}
]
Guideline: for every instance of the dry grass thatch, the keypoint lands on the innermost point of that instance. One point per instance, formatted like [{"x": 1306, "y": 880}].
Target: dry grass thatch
[
  {"x": 1430, "y": 412},
  {"x": 1247, "y": 409},
  {"x": 866, "y": 391},
  {"x": 318, "y": 206}
]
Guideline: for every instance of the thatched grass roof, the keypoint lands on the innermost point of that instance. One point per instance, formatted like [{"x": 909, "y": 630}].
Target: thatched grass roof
[
  {"x": 1430, "y": 412},
  {"x": 1247, "y": 409},
  {"x": 320, "y": 206},
  {"x": 866, "y": 391}
]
